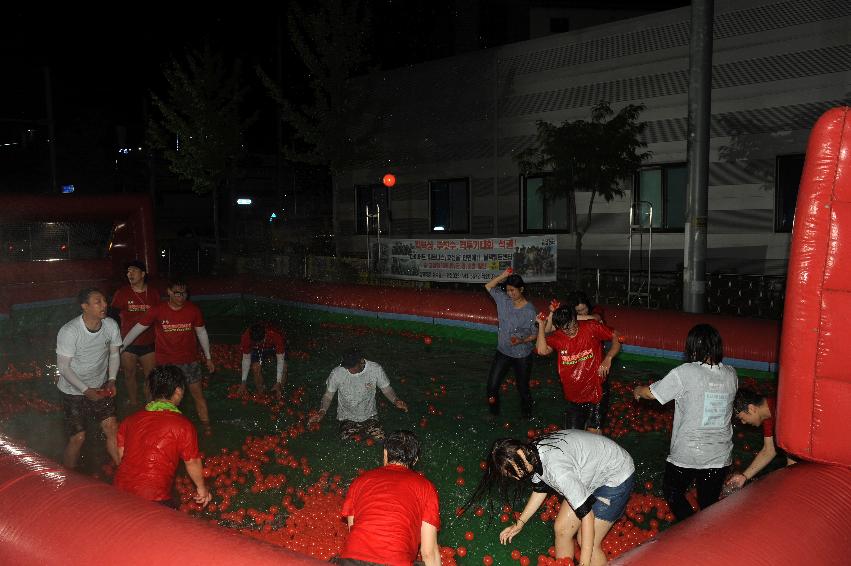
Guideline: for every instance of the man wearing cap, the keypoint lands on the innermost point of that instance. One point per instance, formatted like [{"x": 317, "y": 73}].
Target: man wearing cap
[{"x": 132, "y": 302}]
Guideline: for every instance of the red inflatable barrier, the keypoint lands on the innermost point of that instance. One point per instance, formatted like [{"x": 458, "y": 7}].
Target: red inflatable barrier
[
  {"x": 814, "y": 396},
  {"x": 52, "y": 516}
]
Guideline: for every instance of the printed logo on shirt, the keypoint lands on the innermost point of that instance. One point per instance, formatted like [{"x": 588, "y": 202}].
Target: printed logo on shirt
[
  {"x": 567, "y": 359},
  {"x": 176, "y": 327},
  {"x": 715, "y": 409},
  {"x": 133, "y": 307}
]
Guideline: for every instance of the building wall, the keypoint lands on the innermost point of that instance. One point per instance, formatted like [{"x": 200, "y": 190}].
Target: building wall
[{"x": 777, "y": 66}]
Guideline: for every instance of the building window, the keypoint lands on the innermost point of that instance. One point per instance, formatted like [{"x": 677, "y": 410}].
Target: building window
[
  {"x": 787, "y": 178},
  {"x": 541, "y": 213},
  {"x": 372, "y": 200},
  {"x": 664, "y": 187},
  {"x": 450, "y": 205}
]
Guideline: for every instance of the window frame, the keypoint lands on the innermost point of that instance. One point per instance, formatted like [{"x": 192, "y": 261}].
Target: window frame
[
  {"x": 448, "y": 180},
  {"x": 636, "y": 193},
  {"x": 524, "y": 228}
]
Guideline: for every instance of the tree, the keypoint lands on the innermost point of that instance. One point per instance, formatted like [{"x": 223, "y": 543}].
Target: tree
[
  {"x": 199, "y": 130},
  {"x": 333, "y": 127},
  {"x": 595, "y": 156}
]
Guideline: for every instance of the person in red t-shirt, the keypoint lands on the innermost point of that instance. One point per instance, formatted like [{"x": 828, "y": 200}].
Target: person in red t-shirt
[
  {"x": 582, "y": 368},
  {"x": 177, "y": 324},
  {"x": 755, "y": 410},
  {"x": 153, "y": 440},
  {"x": 261, "y": 341},
  {"x": 132, "y": 302},
  {"x": 392, "y": 511}
]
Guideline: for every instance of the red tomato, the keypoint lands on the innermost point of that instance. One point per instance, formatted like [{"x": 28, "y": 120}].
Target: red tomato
[
  {"x": 469, "y": 535},
  {"x": 462, "y": 551},
  {"x": 487, "y": 560},
  {"x": 515, "y": 554}
]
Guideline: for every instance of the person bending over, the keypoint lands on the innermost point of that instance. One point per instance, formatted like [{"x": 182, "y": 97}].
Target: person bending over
[
  {"x": 592, "y": 474},
  {"x": 355, "y": 381},
  {"x": 260, "y": 342},
  {"x": 392, "y": 511},
  {"x": 755, "y": 410},
  {"x": 153, "y": 440}
]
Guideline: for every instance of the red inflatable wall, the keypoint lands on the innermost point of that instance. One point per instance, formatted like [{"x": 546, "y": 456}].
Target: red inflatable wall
[
  {"x": 52, "y": 516},
  {"x": 814, "y": 398}
]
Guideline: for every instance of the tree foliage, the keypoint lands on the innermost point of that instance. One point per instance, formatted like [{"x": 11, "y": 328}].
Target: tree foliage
[
  {"x": 596, "y": 156},
  {"x": 199, "y": 130},
  {"x": 333, "y": 126}
]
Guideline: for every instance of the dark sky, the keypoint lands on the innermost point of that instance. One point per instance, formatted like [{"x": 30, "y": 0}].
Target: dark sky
[{"x": 104, "y": 63}]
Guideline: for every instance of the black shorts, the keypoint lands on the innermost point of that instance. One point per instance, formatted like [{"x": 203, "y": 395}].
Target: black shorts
[
  {"x": 192, "y": 371},
  {"x": 258, "y": 356},
  {"x": 140, "y": 349},
  {"x": 583, "y": 415},
  {"x": 78, "y": 409}
]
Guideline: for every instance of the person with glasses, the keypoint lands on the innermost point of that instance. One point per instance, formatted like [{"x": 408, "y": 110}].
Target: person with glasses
[{"x": 178, "y": 324}]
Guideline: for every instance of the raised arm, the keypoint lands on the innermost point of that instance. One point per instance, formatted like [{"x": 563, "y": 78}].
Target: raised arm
[
  {"x": 541, "y": 345},
  {"x": 498, "y": 279}
]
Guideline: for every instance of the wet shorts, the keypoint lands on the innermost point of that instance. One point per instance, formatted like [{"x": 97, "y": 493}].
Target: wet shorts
[
  {"x": 583, "y": 415},
  {"x": 617, "y": 498},
  {"x": 78, "y": 409},
  {"x": 370, "y": 428},
  {"x": 192, "y": 372},
  {"x": 258, "y": 356},
  {"x": 140, "y": 349}
]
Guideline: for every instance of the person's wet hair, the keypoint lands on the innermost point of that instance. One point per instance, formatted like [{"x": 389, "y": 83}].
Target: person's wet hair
[
  {"x": 564, "y": 315},
  {"x": 85, "y": 294},
  {"x": 163, "y": 381},
  {"x": 704, "y": 344},
  {"x": 403, "y": 447},
  {"x": 257, "y": 332},
  {"x": 351, "y": 358},
  {"x": 499, "y": 483},
  {"x": 580, "y": 298},
  {"x": 745, "y": 397},
  {"x": 177, "y": 281},
  {"x": 515, "y": 281}
]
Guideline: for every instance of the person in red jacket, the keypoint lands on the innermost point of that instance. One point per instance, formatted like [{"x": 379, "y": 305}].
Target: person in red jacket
[
  {"x": 178, "y": 323},
  {"x": 392, "y": 511},
  {"x": 132, "y": 302},
  {"x": 260, "y": 342},
  {"x": 582, "y": 368},
  {"x": 151, "y": 442}
]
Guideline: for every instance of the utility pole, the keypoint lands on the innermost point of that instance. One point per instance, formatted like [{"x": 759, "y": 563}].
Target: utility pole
[{"x": 699, "y": 114}]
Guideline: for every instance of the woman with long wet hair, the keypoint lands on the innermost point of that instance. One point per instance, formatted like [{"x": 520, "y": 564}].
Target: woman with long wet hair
[{"x": 592, "y": 474}]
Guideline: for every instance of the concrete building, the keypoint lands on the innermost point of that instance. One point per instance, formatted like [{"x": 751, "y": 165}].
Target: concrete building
[{"x": 450, "y": 129}]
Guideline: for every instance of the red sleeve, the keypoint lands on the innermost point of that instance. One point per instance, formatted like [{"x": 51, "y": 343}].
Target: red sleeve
[
  {"x": 122, "y": 431},
  {"x": 349, "y": 502},
  {"x": 197, "y": 317},
  {"x": 245, "y": 342},
  {"x": 602, "y": 332},
  {"x": 278, "y": 342},
  {"x": 150, "y": 316},
  {"x": 768, "y": 424},
  {"x": 188, "y": 442},
  {"x": 431, "y": 506}
]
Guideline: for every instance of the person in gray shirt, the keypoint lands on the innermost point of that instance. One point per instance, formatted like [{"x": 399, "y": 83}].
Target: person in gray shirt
[
  {"x": 702, "y": 437},
  {"x": 515, "y": 340},
  {"x": 355, "y": 382}
]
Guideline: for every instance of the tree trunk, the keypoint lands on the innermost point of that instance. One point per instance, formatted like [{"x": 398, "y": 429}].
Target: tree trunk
[{"x": 579, "y": 235}]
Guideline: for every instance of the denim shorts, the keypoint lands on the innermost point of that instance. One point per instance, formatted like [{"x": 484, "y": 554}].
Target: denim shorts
[
  {"x": 192, "y": 371},
  {"x": 617, "y": 498}
]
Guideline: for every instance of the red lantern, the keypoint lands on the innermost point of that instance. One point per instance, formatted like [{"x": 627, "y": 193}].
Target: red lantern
[{"x": 389, "y": 180}]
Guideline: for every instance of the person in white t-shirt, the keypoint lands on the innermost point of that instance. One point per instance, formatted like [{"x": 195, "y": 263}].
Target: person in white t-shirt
[
  {"x": 702, "y": 437},
  {"x": 591, "y": 473},
  {"x": 355, "y": 382},
  {"x": 87, "y": 359}
]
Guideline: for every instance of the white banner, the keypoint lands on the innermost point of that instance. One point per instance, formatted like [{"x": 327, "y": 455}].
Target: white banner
[{"x": 467, "y": 260}]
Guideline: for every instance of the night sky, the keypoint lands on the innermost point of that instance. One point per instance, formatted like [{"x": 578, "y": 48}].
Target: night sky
[{"x": 104, "y": 63}]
